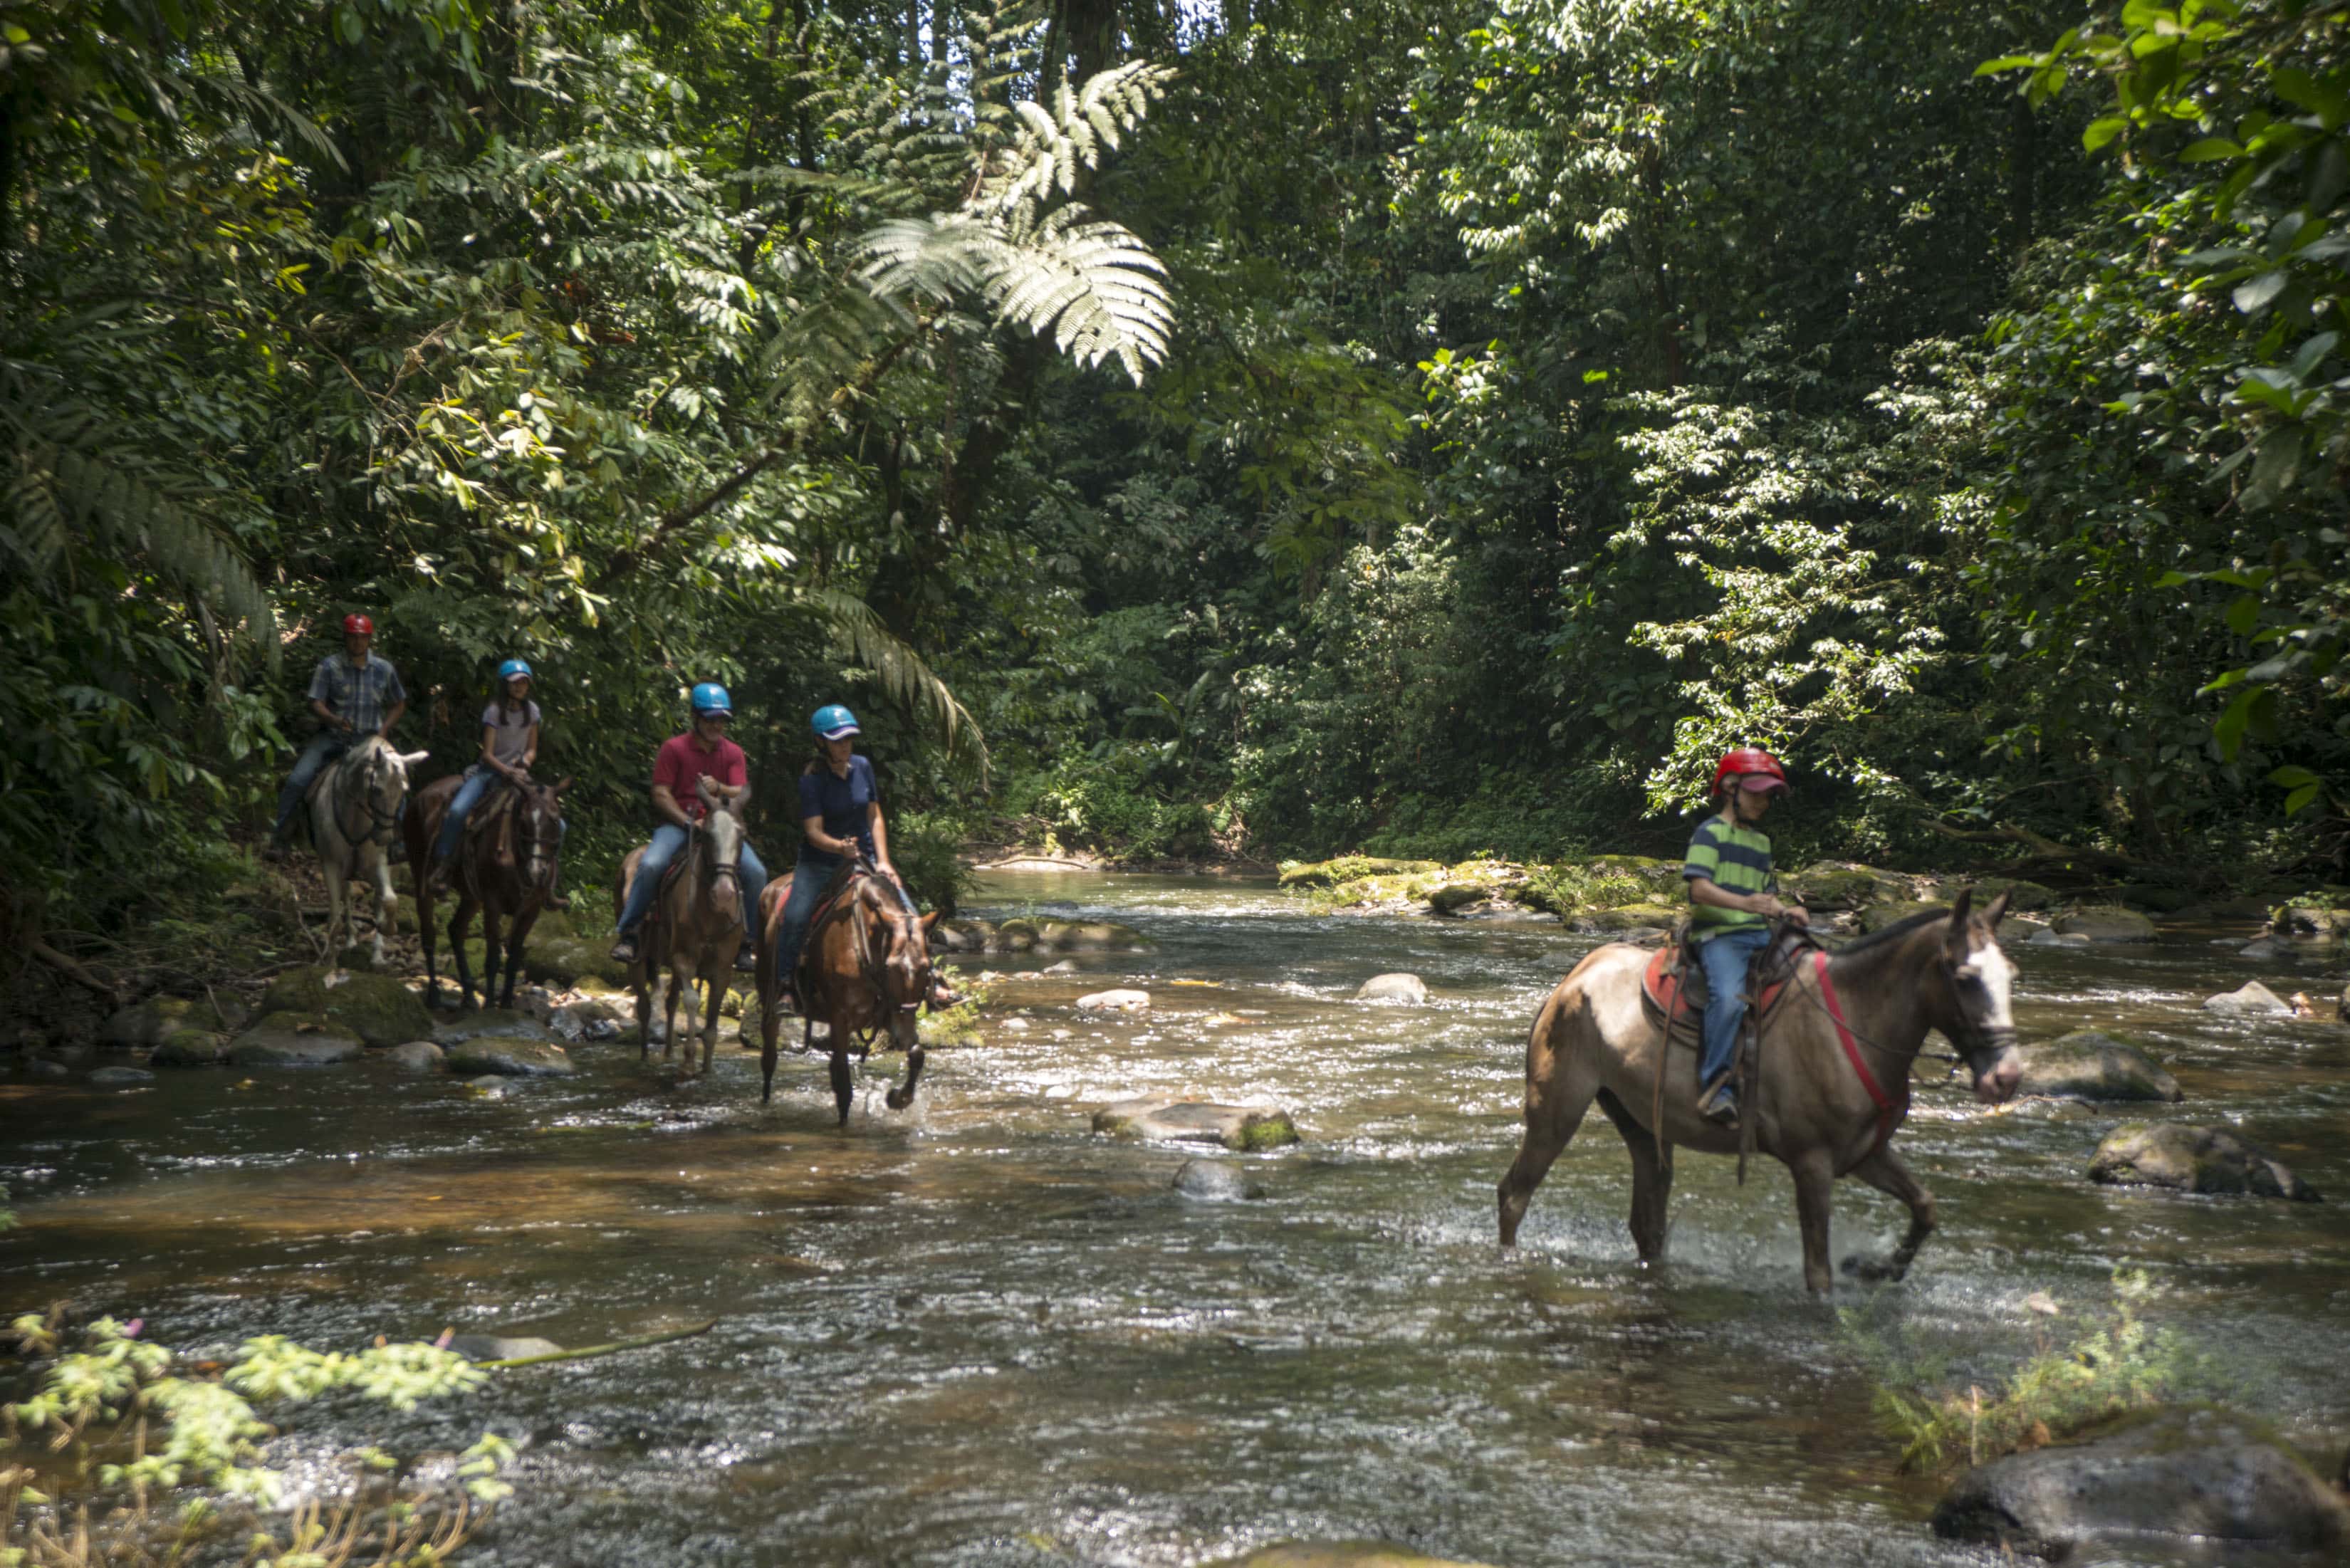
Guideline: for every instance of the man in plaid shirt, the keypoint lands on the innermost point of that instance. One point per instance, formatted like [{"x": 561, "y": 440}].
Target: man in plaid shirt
[{"x": 355, "y": 695}]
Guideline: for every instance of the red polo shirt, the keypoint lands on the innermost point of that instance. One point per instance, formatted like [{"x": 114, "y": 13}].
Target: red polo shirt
[{"x": 683, "y": 760}]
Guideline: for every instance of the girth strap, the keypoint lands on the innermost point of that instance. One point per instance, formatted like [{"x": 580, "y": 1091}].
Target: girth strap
[{"x": 1886, "y": 1108}]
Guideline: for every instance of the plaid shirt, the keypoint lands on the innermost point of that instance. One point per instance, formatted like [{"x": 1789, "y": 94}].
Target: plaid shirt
[{"x": 361, "y": 693}]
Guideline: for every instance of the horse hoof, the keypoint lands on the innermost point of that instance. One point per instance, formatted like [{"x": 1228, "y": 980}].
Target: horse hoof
[
  {"x": 1871, "y": 1271},
  {"x": 896, "y": 1101}
]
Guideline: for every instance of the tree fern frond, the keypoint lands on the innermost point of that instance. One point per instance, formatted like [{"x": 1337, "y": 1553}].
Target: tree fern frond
[{"x": 905, "y": 676}]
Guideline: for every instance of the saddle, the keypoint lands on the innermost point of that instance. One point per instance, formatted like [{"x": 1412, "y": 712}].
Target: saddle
[
  {"x": 498, "y": 812},
  {"x": 833, "y": 904},
  {"x": 1673, "y": 989}
]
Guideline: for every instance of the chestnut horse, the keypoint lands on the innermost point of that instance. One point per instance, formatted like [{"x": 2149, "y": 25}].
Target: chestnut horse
[
  {"x": 514, "y": 893},
  {"x": 866, "y": 967},
  {"x": 1831, "y": 1082},
  {"x": 695, "y": 928}
]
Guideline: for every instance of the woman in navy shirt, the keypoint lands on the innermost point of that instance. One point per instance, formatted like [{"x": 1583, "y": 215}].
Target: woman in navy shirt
[{"x": 840, "y": 817}]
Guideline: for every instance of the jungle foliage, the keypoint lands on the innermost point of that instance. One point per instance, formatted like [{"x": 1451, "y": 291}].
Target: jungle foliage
[{"x": 1418, "y": 426}]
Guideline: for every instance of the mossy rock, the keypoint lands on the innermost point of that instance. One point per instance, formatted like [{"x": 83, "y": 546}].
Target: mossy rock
[
  {"x": 2303, "y": 921},
  {"x": 1876, "y": 917},
  {"x": 962, "y": 936},
  {"x": 2022, "y": 896},
  {"x": 157, "y": 1019},
  {"x": 190, "y": 1048},
  {"x": 296, "y": 1040},
  {"x": 1659, "y": 876},
  {"x": 1628, "y": 916},
  {"x": 2104, "y": 923},
  {"x": 1348, "y": 869},
  {"x": 2089, "y": 1064},
  {"x": 1453, "y": 897},
  {"x": 1156, "y": 1120},
  {"x": 511, "y": 1058},
  {"x": 568, "y": 960},
  {"x": 377, "y": 1008},
  {"x": 2207, "y": 1159},
  {"x": 1017, "y": 936},
  {"x": 1842, "y": 884}
]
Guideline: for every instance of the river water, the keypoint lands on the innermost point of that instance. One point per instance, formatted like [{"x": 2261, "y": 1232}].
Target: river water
[{"x": 976, "y": 1333}]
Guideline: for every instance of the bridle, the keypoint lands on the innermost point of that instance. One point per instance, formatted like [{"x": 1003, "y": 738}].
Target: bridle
[
  {"x": 540, "y": 858},
  {"x": 874, "y": 966},
  {"x": 360, "y": 765},
  {"x": 1980, "y": 1038}
]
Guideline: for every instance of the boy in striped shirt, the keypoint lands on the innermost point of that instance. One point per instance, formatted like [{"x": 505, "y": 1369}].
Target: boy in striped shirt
[{"x": 1735, "y": 896}]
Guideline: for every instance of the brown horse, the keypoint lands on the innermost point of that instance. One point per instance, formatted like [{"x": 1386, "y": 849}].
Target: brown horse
[
  {"x": 1813, "y": 1107},
  {"x": 352, "y": 808},
  {"x": 695, "y": 928},
  {"x": 866, "y": 967},
  {"x": 515, "y": 892}
]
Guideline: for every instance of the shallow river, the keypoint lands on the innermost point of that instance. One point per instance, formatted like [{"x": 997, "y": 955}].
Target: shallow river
[{"x": 975, "y": 1333}]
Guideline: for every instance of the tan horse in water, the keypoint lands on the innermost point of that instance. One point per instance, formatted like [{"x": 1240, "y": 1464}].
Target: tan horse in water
[
  {"x": 509, "y": 894},
  {"x": 1814, "y": 1108},
  {"x": 866, "y": 967},
  {"x": 353, "y": 808},
  {"x": 695, "y": 928}
]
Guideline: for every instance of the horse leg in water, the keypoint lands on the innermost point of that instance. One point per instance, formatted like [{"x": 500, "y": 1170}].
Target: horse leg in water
[
  {"x": 490, "y": 952},
  {"x": 902, "y": 1096},
  {"x": 715, "y": 980},
  {"x": 1884, "y": 1171},
  {"x": 460, "y": 920},
  {"x": 1815, "y": 1175},
  {"x": 1652, "y": 1180},
  {"x": 387, "y": 902},
  {"x": 842, "y": 1089},
  {"x": 680, "y": 976},
  {"x": 517, "y": 928},
  {"x": 1561, "y": 1079}
]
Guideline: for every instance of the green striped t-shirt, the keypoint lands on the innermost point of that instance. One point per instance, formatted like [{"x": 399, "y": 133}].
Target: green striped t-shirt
[{"x": 1735, "y": 859}]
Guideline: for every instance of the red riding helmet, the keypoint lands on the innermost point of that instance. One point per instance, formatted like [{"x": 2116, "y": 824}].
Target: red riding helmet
[
  {"x": 358, "y": 626},
  {"x": 1747, "y": 759}
]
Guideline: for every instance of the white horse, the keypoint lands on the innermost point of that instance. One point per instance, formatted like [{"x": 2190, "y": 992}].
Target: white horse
[{"x": 354, "y": 810}]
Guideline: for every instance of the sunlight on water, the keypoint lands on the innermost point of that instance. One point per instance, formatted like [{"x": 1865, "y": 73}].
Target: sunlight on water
[{"x": 978, "y": 1333}]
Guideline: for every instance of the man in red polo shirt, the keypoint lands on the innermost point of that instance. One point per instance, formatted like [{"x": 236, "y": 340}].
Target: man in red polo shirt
[{"x": 702, "y": 751}]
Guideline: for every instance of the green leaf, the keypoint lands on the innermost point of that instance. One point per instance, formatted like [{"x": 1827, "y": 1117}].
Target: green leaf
[
  {"x": 2211, "y": 150},
  {"x": 2100, "y": 131},
  {"x": 2259, "y": 293},
  {"x": 2244, "y": 615},
  {"x": 2300, "y": 799},
  {"x": 2292, "y": 777}
]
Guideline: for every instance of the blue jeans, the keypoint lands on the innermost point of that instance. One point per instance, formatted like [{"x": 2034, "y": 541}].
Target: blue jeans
[
  {"x": 1725, "y": 959},
  {"x": 810, "y": 876},
  {"x": 479, "y": 782},
  {"x": 321, "y": 749},
  {"x": 668, "y": 839}
]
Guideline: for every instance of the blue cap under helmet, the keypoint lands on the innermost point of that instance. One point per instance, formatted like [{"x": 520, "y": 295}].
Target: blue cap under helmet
[
  {"x": 832, "y": 722},
  {"x": 710, "y": 697},
  {"x": 510, "y": 669}
]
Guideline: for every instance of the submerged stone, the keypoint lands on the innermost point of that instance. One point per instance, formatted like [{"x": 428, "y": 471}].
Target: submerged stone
[
  {"x": 962, "y": 936},
  {"x": 377, "y": 1008},
  {"x": 2105, "y": 923},
  {"x": 2089, "y": 1065},
  {"x": 1156, "y": 1120},
  {"x": 416, "y": 1056},
  {"x": 1214, "y": 1181},
  {"x": 1395, "y": 987},
  {"x": 2213, "y": 1160},
  {"x": 120, "y": 1077},
  {"x": 2173, "y": 1475},
  {"x": 2047, "y": 937},
  {"x": 1089, "y": 936},
  {"x": 1344, "y": 1554},
  {"x": 295, "y": 1040},
  {"x": 2251, "y": 1000},
  {"x": 492, "y": 1023},
  {"x": 513, "y": 1058},
  {"x": 499, "y": 1347}
]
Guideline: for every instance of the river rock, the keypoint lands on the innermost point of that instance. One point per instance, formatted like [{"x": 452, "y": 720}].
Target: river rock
[
  {"x": 1349, "y": 869},
  {"x": 120, "y": 1077},
  {"x": 190, "y": 1048},
  {"x": 2048, "y": 937},
  {"x": 2309, "y": 922},
  {"x": 377, "y": 1008},
  {"x": 295, "y": 1040},
  {"x": 1214, "y": 1181},
  {"x": 1842, "y": 884},
  {"x": 2089, "y": 1065},
  {"x": 2022, "y": 894},
  {"x": 1066, "y": 966},
  {"x": 2171, "y": 1475},
  {"x": 2207, "y": 1159},
  {"x": 1089, "y": 936},
  {"x": 961, "y": 936},
  {"x": 489, "y": 1086},
  {"x": 1454, "y": 897},
  {"x": 2105, "y": 923},
  {"x": 492, "y": 1023},
  {"x": 1629, "y": 917},
  {"x": 1397, "y": 987},
  {"x": 1114, "y": 1001},
  {"x": 569, "y": 961},
  {"x": 511, "y": 1057},
  {"x": 2263, "y": 950},
  {"x": 1892, "y": 913},
  {"x": 46, "y": 1069},
  {"x": 1344, "y": 1554},
  {"x": 1156, "y": 1120},
  {"x": 155, "y": 1020},
  {"x": 589, "y": 1018},
  {"x": 500, "y": 1347},
  {"x": 2251, "y": 1000},
  {"x": 1016, "y": 936},
  {"x": 416, "y": 1056}
]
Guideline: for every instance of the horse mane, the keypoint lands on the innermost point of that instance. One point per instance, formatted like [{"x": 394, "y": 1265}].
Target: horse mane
[{"x": 1895, "y": 932}]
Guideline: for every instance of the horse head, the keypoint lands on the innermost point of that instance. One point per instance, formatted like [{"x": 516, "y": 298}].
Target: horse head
[
  {"x": 378, "y": 776},
  {"x": 539, "y": 816},
  {"x": 1980, "y": 997},
  {"x": 905, "y": 962},
  {"x": 722, "y": 833}
]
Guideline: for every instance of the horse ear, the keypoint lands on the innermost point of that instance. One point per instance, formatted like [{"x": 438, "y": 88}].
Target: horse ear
[
  {"x": 562, "y": 784},
  {"x": 929, "y": 919},
  {"x": 1996, "y": 912},
  {"x": 410, "y": 759},
  {"x": 701, "y": 786},
  {"x": 1959, "y": 906}
]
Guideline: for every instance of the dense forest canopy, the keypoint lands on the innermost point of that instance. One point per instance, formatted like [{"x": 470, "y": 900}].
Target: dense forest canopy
[{"x": 1420, "y": 425}]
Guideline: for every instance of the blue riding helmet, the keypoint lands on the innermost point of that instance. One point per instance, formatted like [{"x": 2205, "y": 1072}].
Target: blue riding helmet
[
  {"x": 510, "y": 669},
  {"x": 832, "y": 722},
  {"x": 710, "y": 697}
]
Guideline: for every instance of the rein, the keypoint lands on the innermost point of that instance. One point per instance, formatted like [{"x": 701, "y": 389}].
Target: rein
[{"x": 381, "y": 822}]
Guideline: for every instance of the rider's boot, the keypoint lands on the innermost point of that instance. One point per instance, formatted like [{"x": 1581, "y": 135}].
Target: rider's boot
[
  {"x": 625, "y": 950},
  {"x": 747, "y": 957},
  {"x": 1721, "y": 1106},
  {"x": 943, "y": 994}
]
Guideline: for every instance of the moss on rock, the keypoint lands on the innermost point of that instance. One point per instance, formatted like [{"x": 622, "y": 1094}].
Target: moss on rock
[
  {"x": 377, "y": 1008},
  {"x": 157, "y": 1019}
]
